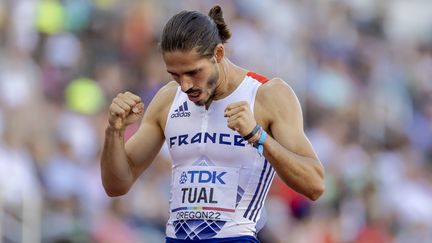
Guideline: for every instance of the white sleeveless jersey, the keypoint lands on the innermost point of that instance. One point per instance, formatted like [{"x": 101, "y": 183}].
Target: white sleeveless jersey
[{"x": 219, "y": 182}]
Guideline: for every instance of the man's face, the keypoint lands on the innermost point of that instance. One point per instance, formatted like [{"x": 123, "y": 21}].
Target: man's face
[{"x": 197, "y": 76}]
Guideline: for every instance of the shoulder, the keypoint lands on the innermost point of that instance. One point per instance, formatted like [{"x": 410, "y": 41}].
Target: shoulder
[
  {"x": 276, "y": 92},
  {"x": 165, "y": 95},
  {"x": 276, "y": 100},
  {"x": 168, "y": 89},
  {"x": 161, "y": 102}
]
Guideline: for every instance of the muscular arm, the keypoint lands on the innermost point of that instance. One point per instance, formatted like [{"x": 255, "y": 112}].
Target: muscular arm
[
  {"x": 121, "y": 163},
  {"x": 288, "y": 149}
]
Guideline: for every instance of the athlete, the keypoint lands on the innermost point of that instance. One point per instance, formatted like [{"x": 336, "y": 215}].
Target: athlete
[{"x": 228, "y": 130}]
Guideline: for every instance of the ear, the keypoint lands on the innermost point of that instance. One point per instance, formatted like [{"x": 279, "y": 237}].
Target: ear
[{"x": 219, "y": 52}]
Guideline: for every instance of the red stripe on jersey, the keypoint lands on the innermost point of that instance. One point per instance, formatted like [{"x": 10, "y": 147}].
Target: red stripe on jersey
[{"x": 257, "y": 77}]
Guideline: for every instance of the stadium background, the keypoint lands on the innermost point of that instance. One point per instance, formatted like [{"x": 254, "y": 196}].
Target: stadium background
[{"x": 362, "y": 70}]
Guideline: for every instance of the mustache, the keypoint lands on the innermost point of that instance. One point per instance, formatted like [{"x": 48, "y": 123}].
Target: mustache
[{"x": 189, "y": 91}]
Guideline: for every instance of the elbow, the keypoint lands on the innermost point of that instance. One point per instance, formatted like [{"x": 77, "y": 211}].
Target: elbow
[
  {"x": 316, "y": 191},
  {"x": 115, "y": 191},
  {"x": 115, "y": 187},
  {"x": 112, "y": 193},
  {"x": 317, "y": 188}
]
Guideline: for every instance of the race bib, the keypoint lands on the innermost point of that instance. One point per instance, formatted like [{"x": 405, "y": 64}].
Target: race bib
[{"x": 204, "y": 192}]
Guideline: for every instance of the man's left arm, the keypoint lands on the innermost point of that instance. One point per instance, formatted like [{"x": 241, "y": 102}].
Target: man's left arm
[{"x": 287, "y": 148}]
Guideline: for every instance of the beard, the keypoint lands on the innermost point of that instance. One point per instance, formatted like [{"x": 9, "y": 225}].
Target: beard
[{"x": 211, "y": 85}]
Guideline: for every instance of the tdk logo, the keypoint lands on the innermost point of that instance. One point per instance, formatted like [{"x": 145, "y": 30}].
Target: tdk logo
[
  {"x": 182, "y": 111},
  {"x": 183, "y": 178},
  {"x": 202, "y": 176}
]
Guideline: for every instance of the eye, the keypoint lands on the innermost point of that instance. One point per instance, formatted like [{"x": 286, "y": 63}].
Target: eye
[
  {"x": 174, "y": 75},
  {"x": 193, "y": 72}
]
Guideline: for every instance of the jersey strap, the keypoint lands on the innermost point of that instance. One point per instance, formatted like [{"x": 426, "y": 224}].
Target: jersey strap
[{"x": 260, "y": 78}]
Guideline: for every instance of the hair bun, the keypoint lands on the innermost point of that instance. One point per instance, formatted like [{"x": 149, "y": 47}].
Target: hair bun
[{"x": 216, "y": 14}]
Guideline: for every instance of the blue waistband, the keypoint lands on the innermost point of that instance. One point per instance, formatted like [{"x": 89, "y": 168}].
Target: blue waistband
[{"x": 241, "y": 239}]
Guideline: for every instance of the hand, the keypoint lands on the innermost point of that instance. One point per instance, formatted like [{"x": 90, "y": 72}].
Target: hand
[
  {"x": 240, "y": 118},
  {"x": 125, "y": 109}
]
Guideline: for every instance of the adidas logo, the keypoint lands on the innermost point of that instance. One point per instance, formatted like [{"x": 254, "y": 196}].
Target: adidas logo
[{"x": 182, "y": 111}]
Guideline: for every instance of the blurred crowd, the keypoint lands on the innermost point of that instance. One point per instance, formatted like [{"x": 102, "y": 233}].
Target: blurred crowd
[{"x": 362, "y": 70}]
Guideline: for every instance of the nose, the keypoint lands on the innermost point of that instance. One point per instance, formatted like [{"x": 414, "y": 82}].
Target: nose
[{"x": 185, "y": 83}]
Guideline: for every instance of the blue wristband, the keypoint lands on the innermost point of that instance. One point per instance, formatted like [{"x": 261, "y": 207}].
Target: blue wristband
[{"x": 260, "y": 143}]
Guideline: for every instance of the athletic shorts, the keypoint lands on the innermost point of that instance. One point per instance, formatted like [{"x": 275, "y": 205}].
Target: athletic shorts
[{"x": 241, "y": 239}]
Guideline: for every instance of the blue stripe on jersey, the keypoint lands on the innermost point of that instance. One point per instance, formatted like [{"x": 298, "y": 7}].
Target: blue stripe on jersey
[
  {"x": 257, "y": 189},
  {"x": 266, "y": 190},
  {"x": 240, "y": 193},
  {"x": 261, "y": 196},
  {"x": 240, "y": 239}
]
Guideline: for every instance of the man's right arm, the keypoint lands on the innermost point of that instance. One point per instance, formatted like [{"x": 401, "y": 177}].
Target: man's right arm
[{"x": 122, "y": 163}]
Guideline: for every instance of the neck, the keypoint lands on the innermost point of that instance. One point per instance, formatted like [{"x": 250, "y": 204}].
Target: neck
[
  {"x": 230, "y": 77},
  {"x": 227, "y": 79}
]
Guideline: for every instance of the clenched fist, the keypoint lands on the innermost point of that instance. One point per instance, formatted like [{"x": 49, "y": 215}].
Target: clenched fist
[
  {"x": 240, "y": 117},
  {"x": 125, "y": 109}
]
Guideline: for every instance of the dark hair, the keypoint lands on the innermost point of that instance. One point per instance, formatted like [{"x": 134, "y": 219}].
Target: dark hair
[{"x": 190, "y": 30}]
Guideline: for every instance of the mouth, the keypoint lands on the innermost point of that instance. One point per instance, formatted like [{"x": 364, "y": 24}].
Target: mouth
[{"x": 194, "y": 96}]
